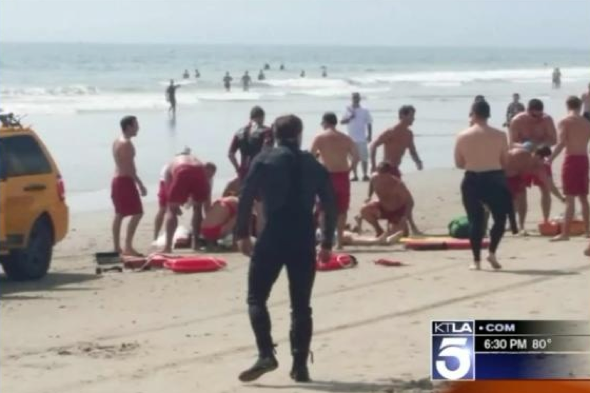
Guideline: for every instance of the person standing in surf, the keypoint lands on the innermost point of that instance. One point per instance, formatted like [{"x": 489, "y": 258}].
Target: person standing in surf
[
  {"x": 227, "y": 80},
  {"x": 171, "y": 97}
]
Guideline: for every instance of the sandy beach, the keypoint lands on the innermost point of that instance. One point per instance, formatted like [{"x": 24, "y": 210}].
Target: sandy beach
[{"x": 157, "y": 331}]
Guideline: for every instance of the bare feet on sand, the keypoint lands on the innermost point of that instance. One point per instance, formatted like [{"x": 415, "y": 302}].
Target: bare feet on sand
[
  {"x": 130, "y": 252},
  {"x": 587, "y": 252},
  {"x": 494, "y": 262},
  {"x": 560, "y": 238},
  {"x": 395, "y": 238},
  {"x": 523, "y": 233},
  {"x": 475, "y": 266}
]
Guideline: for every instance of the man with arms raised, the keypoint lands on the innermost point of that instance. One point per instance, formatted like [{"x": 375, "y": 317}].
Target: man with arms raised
[
  {"x": 538, "y": 128},
  {"x": 187, "y": 178},
  {"x": 360, "y": 129},
  {"x": 124, "y": 187},
  {"x": 339, "y": 154},
  {"x": 574, "y": 134}
]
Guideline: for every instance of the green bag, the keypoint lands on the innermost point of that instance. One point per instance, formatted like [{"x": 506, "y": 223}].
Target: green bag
[{"x": 459, "y": 228}]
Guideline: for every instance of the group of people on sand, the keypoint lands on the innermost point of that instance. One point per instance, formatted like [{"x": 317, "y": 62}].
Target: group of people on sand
[
  {"x": 499, "y": 168},
  {"x": 278, "y": 184}
]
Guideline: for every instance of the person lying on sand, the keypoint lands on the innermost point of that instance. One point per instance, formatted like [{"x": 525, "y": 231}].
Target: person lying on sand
[{"x": 220, "y": 219}]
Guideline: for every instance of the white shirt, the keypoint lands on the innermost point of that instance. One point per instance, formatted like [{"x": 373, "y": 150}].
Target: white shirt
[
  {"x": 357, "y": 126},
  {"x": 163, "y": 172}
]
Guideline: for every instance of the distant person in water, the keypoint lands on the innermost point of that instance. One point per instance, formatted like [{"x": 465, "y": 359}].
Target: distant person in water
[
  {"x": 197, "y": 73},
  {"x": 324, "y": 72},
  {"x": 556, "y": 78},
  {"x": 261, "y": 76},
  {"x": 302, "y": 75},
  {"x": 282, "y": 67},
  {"x": 267, "y": 67},
  {"x": 514, "y": 108},
  {"x": 586, "y": 103},
  {"x": 171, "y": 96},
  {"x": 246, "y": 80},
  {"x": 227, "y": 79},
  {"x": 186, "y": 75}
]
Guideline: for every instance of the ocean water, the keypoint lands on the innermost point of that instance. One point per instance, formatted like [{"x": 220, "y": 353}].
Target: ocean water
[{"x": 75, "y": 94}]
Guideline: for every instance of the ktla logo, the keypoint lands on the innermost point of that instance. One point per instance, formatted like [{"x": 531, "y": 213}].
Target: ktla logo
[{"x": 452, "y": 350}]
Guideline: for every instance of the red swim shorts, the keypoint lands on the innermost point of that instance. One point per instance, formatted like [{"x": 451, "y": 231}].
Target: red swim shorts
[
  {"x": 341, "y": 183},
  {"x": 516, "y": 185},
  {"x": 392, "y": 216},
  {"x": 162, "y": 194},
  {"x": 574, "y": 175},
  {"x": 125, "y": 196},
  {"x": 533, "y": 180},
  {"x": 212, "y": 233},
  {"x": 189, "y": 181}
]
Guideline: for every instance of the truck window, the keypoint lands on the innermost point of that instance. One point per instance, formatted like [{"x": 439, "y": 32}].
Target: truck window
[{"x": 22, "y": 156}]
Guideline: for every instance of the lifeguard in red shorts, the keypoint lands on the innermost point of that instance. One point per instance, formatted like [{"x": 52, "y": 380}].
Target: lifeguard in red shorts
[
  {"x": 574, "y": 135},
  {"x": 536, "y": 127},
  {"x": 126, "y": 187},
  {"x": 394, "y": 204},
  {"x": 187, "y": 179},
  {"x": 338, "y": 153},
  {"x": 522, "y": 162}
]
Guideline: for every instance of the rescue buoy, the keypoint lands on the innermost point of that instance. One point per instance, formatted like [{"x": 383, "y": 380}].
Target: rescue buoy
[
  {"x": 388, "y": 263},
  {"x": 194, "y": 264},
  {"x": 551, "y": 228},
  {"x": 337, "y": 262}
]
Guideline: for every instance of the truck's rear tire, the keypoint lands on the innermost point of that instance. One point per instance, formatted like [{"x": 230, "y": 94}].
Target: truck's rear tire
[{"x": 32, "y": 262}]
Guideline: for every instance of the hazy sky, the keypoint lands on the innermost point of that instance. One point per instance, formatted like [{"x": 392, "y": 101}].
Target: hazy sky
[{"x": 538, "y": 23}]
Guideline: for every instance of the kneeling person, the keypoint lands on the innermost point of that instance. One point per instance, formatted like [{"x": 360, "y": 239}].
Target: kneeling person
[
  {"x": 187, "y": 178},
  {"x": 395, "y": 203}
]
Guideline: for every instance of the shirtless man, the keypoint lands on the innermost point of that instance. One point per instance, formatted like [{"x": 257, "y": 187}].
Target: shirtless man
[
  {"x": 536, "y": 127},
  {"x": 394, "y": 204},
  {"x": 396, "y": 141},
  {"x": 586, "y": 103},
  {"x": 338, "y": 153},
  {"x": 482, "y": 152},
  {"x": 124, "y": 187},
  {"x": 232, "y": 188},
  {"x": 220, "y": 219},
  {"x": 521, "y": 162},
  {"x": 186, "y": 179},
  {"x": 574, "y": 135},
  {"x": 163, "y": 196}
]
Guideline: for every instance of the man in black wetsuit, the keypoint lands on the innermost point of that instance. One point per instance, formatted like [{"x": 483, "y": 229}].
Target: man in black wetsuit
[
  {"x": 249, "y": 141},
  {"x": 288, "y": 181}
]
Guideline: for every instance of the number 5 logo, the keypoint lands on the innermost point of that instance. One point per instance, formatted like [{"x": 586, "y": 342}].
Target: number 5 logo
[{"x": 454, "y": 348}]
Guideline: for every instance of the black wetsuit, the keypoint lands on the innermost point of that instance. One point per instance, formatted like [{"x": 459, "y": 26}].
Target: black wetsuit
[
  {"x": 490, "y": 189},
  {"x": 288, "y": 181}
]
